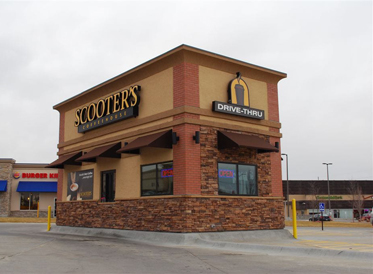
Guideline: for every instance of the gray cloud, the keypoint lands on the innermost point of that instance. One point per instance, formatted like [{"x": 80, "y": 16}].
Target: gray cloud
[{"x": 51, "y": 51}]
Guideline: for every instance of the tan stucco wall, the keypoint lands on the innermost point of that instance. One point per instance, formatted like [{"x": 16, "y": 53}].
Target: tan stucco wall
[
  {"x": 45, "y": 199},
  {"x": 213, "y": 86},
  {"x": 235, "y": 123},
  {"x": 120, "y": 132},
  {"x": 128, "y": 174},
  {"x": 156, "y": 95}
]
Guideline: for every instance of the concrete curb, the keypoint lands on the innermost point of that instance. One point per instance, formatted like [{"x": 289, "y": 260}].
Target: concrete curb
[{"x": 262, "y": 241}]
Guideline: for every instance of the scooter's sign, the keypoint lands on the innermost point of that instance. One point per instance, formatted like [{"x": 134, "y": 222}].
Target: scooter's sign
[
  {"x": 116, "y": 107},
  {"x": 238, "y": 101}
]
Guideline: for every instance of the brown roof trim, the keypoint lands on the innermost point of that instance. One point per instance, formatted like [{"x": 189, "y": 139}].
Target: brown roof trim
[
  {"x": 66, "y": 160},
  {"x": 108, "y": 151},
  {"x": 161, "y": 139},
  {"x": 219, "y": 56},
  {"x": 230, "y": 139},
  {"x": 29, "y": 165},
  {"x": 169, "y": 53}
]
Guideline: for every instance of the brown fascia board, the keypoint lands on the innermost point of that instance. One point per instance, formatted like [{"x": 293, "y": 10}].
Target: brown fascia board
[
  {"x": 235, "y": 61},
  {"x": 29, "y": 165},
  {"x": 175, "y": 56}
]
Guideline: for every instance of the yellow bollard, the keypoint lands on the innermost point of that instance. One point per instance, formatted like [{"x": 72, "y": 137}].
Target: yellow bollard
[
  {"x": 294, "y": 219},
  {"x": 37, "y": 212},
  {"x": 49, "y": 218}
]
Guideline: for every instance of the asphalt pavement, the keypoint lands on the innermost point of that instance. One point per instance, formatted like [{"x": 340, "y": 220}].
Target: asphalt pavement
[
  {"x": 340, "y": 242},
  {"x": 29, "y": 248}
]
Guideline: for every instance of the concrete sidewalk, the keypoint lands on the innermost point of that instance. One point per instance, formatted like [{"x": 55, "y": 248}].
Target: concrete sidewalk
[{"x": 277, "y": 242}]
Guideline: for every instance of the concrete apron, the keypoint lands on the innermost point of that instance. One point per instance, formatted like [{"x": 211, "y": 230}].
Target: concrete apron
[{"x": 276, "y": 242}]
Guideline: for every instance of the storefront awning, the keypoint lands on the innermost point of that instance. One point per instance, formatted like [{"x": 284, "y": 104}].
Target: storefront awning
[
  {"x": 108, "y": 151},
  {"x": 229, "y": 140},
  {"x": 160, "y": 139},
  {"x": 3, "y": 185},
  {"x": 24, "y": 186},
  {"x": 66, "y": 160}
]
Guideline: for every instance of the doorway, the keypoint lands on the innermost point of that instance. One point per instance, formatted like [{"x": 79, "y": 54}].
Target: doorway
[{"x": 108, "y": 186}]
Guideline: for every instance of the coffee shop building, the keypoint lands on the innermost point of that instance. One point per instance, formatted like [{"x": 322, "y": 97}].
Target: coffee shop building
[{"x": 186, "y": 142}]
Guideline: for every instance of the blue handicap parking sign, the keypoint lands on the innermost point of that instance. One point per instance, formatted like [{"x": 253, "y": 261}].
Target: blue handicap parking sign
[{"x": 321, "y": 206}]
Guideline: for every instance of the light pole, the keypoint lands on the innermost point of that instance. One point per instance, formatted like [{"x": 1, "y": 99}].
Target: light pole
[
  {"x": 287, "y": 183},
  {"x": 327, "y": 174}
]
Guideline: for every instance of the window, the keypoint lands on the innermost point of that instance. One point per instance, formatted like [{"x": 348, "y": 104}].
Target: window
[
  {"x": 29, "y": 201},
  {"x": 108, "y": 186},
  {"x": 237, "y": 179},
  {"x": 157, "y": 179}
]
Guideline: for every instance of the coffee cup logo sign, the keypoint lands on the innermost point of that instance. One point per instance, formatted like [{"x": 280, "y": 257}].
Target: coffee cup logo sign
[
  {"x": 116, "y": 107},
  {"x": 238, "y": 101},
  {"x": 238, "y": 92}
]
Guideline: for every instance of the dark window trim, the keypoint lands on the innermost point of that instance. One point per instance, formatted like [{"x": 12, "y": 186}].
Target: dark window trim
[
  {"x": 237, "y": 164},
  {"x": 101, "y": 177},
  {"x": 156, "y": 167}
]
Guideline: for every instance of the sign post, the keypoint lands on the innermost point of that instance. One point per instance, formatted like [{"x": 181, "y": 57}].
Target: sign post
[
  {"x": 322, "y": 209},
  {"x": 49, "y": 218},
  {"x": 295, "y": 233}
]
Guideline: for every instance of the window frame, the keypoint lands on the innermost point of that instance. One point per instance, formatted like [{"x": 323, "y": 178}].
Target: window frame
[
  {"x": 157, "y": 183},
  {"x": 237, "y": 179}
]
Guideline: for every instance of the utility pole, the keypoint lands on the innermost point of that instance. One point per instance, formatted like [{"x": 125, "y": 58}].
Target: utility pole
[
  {"x": 327, "y": 174},
  {"x": 287, "y": 183}
]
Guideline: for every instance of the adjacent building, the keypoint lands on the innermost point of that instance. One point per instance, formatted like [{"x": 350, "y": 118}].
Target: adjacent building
[
  {"x": 345, "y": 200},
  {"x": 26, "y": 188}
]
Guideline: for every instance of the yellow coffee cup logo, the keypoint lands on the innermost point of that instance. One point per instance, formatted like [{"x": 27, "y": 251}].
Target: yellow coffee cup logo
[{"x": 238, "y": 92}]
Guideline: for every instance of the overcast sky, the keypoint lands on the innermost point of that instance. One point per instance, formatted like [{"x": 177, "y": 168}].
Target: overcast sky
[{"x": 51, "y": 51}]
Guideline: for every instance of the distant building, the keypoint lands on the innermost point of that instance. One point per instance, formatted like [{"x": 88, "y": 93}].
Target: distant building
[
  {"x": 308, "y": 195},
  {"x": 23, "y": 186}
]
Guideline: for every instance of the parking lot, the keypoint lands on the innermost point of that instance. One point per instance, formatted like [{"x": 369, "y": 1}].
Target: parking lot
[
  {"x": 28, "y": 248},
  {"x": 336, "y": 238}
]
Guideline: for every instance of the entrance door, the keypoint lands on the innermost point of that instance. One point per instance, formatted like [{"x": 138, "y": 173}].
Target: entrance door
[{"x": 108, "y": 186}]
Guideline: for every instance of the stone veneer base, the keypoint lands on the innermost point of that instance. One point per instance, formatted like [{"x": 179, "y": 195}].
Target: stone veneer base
[
  {"x": 28, "y": 214},
  {"x": 176, "y": 214}
]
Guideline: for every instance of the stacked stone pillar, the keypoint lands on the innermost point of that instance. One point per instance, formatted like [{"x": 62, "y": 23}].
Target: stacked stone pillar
[{"x": 6, "y": 171}]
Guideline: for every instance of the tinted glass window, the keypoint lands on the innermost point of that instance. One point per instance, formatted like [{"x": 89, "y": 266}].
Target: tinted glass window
[
  {"x": 29, "y": 201},
  {"x": 227, "y": 178},
  {"x": 157, "y": 179},
  {"x": 237, "y": 179}
]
